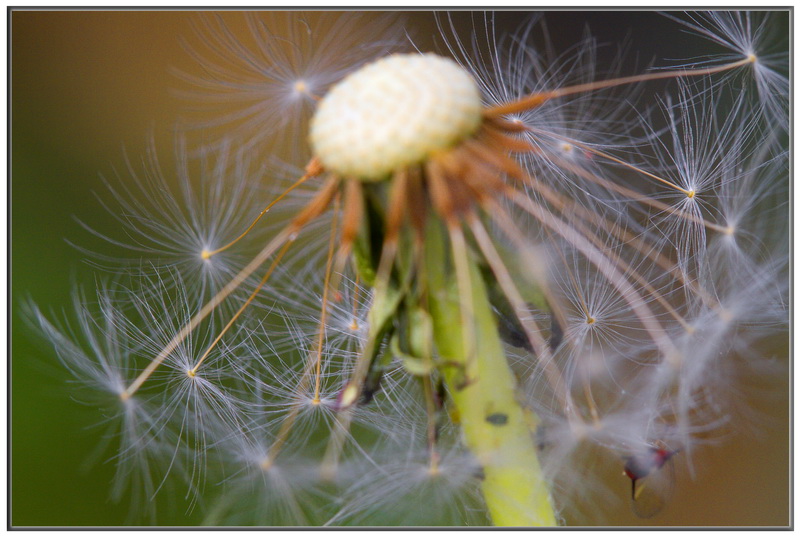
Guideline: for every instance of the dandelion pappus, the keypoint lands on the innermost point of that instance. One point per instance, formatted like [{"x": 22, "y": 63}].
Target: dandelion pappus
[{"x": 655, "y": 464}]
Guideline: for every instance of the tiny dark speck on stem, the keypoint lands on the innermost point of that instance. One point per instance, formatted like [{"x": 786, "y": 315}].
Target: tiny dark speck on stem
[{"x": 498, "y": 419}]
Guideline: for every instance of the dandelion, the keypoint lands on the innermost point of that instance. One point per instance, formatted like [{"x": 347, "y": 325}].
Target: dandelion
[{"x": 488, "y": 289}]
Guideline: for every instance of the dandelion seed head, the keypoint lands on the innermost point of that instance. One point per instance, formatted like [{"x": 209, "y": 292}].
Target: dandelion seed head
[
  {"x": 394, "y": 113},
  {"x": 625, "y": 295}
]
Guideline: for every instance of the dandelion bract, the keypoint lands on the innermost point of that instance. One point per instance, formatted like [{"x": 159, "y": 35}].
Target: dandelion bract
[{"x": 479, "y": 282}]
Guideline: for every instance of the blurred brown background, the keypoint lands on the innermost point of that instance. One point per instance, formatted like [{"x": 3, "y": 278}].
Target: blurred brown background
[{"x": 85, "y": 85}]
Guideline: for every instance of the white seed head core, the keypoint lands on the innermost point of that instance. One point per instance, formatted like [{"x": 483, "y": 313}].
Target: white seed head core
[{"x": 394, "y": 113}]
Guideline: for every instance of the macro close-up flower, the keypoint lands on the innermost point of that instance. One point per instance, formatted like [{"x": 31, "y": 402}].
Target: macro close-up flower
[{"x": 353, "y": 268}]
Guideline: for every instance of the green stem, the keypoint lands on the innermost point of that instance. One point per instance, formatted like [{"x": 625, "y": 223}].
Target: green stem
[{"x": 483, "y": 389}]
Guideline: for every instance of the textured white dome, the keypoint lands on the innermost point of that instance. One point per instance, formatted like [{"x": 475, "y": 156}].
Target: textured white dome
[{"x": 393, "y": 113}]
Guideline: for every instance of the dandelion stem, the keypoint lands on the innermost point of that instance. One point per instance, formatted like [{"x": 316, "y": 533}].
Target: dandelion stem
[
  {"x": 461, "y": 262},
  {"x": 483, "y": 389}
]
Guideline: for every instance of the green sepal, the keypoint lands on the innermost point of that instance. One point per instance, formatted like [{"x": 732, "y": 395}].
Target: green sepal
[
  {"x": 416, "y": 366},
  {"x": 420, "y": 333}
]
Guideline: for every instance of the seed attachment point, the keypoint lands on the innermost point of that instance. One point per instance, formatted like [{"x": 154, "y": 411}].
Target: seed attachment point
[{"x": 394, "y": 113}]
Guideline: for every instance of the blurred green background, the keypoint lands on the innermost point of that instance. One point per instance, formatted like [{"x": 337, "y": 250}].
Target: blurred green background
[{"x": 85, "y": 85}]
